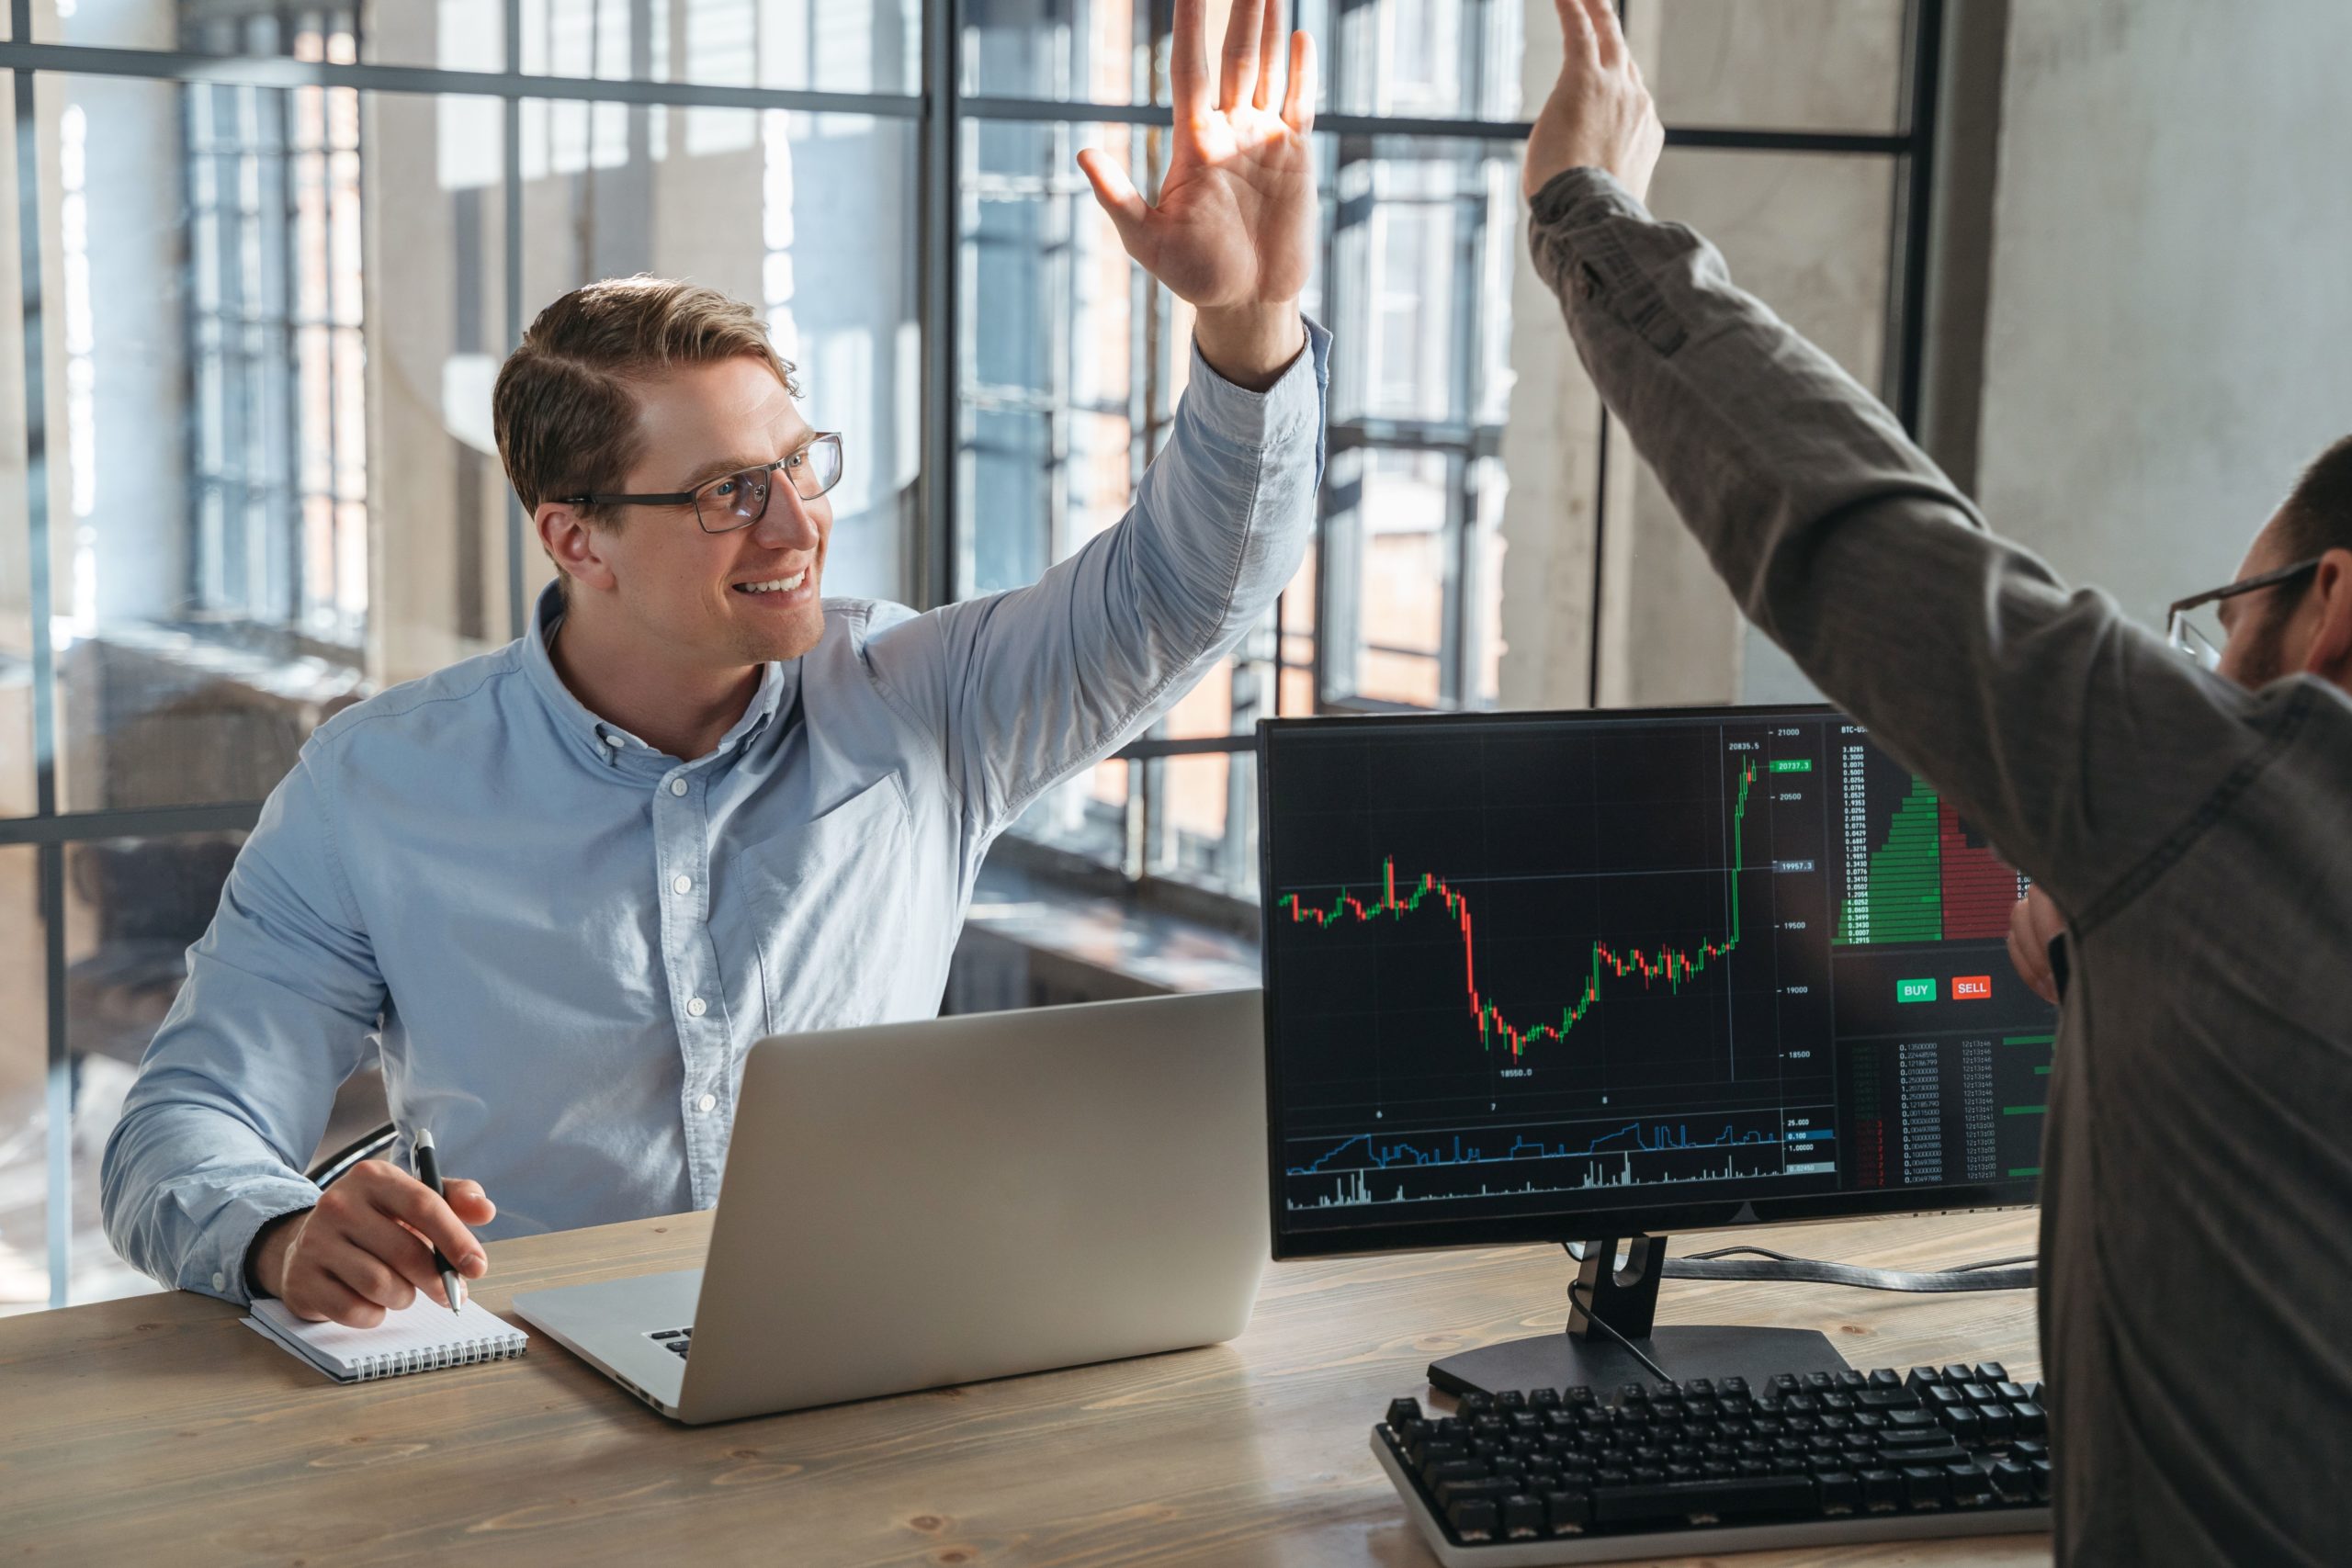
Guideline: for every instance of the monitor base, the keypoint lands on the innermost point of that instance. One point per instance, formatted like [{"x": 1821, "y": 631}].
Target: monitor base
[{"x": 1562, "y": 1360}]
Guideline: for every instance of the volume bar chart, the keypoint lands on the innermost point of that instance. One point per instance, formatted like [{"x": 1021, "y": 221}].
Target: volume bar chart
[{"x": 1442, "y": 1165}]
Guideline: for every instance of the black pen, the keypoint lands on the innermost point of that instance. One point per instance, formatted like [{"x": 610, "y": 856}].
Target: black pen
[{"x": 428, "y": 1170}]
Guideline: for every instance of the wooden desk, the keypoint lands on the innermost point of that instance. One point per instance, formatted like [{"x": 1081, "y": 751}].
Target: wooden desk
[{"x": 159, "y": 1431}]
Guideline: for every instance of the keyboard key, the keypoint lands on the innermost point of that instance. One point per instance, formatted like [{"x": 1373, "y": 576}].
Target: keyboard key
[
  {"x": 1881, "y": 1491},
  {"x": 1544, "y": 1399},
  {"x": 1841, "y": 1492},
  {"x": 1885, "y": 1376},
  {"x": 1493, "y": 1490},
  {"x": 2040, "y": 1469},
  {"x": 1475, "y": 1518},
  {"x": 1402, "y": 1411},
  {"x": 1522, "y": 1517},
  {"x": 1971, "y": 1487},
  {"x": 1567, "y": 1510},
  {"x": 1512, "y": 1399},
  {"x": 1926, "y": 1486},
  {"x": 1703, "y": 1499},
  {"x": 2012, "y": 1481},
  {"x": 1477, "y": 1404},
  {"x": 1992, "y": 1371},
  {"x": 2031, "y": 1420}
]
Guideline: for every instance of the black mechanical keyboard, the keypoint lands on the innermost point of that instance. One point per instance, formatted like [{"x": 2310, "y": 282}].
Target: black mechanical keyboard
[{"x": 1569, "y": 1475}]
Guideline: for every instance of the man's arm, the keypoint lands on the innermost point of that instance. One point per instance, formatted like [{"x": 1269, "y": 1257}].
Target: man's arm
[
  {"x": 2077, "y": 742},
  {"x": 235, "y": 1089},
  {"x": 1027, "y": 687}
]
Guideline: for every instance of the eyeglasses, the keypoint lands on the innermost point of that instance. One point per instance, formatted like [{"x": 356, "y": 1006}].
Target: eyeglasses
[
  {"x": 741, "y": 498},
  {"x": 2188, "y": 637}
]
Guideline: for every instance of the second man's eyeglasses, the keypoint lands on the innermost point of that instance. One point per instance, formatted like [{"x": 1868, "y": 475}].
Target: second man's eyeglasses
[
  {"x": 741, "y": 498},
  {"x": 2203, "y": 643}
]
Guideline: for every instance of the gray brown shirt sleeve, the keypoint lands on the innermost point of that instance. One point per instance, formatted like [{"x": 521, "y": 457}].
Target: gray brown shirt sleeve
[
  {"x": 1967, "y": 657},
  {"x": 2196, "y": 1167}
]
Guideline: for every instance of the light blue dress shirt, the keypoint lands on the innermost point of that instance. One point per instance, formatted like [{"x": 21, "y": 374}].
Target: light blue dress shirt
[{"x": 564, "y": 940}]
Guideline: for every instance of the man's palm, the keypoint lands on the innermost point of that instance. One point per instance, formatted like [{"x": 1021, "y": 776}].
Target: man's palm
[{"x": 1235, "y": 223}]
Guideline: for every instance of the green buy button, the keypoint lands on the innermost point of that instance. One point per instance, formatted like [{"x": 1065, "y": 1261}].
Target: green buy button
[{"x": 1915, "y": 990}]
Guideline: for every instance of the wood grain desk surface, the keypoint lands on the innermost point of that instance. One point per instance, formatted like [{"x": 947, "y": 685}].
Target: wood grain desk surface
[{"x": 158, "y": 1431}]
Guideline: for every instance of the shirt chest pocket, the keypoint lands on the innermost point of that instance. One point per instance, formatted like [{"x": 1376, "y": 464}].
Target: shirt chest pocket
[{"x": 825, "y": 903}]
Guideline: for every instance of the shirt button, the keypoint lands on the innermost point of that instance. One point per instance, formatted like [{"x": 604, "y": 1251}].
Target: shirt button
[
  {"x": 220, "y": 1281},
  {"x": 696, "y": 1007},
  {"x": 677, "y": 787},
  {"x": 682, "y": 885},
  {"x": 614, "y": 742},
  {"x": 706, "y": 1102}
]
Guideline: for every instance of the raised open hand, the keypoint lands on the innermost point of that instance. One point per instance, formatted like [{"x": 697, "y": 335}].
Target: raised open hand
[{"x": 1235, "y": 226}]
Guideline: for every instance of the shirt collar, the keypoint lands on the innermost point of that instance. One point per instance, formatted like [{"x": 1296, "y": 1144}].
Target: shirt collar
[{"x": 610, "y": 744}]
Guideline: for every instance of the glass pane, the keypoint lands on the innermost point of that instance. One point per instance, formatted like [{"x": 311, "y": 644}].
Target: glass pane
[
  {"x": 227, "y": 416},
  {"x": 133, "y": 907},
  {"x": 1207, "y": 827},
  {"x": 24, "y": 1074},
  {"x": 1791, "y": 65},
  {"x": 1421, "y": 237},
  {"x": 829, "y": 254},
  {"x": 1072, "y": 360},
  {"x": 1434, "y": 59},
  {"x": 1389, "y": 518},
  {"x": 838, "y": 46},
  {"x": 17, "y": 783},
  {"x": 1421, "y": 59},
  {"x": 449, "y": 34}
]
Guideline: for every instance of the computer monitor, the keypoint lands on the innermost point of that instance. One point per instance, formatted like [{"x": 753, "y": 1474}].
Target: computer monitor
[{"x": 1601, "y": 975}]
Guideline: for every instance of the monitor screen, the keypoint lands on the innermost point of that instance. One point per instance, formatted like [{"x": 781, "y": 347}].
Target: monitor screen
[{"x": 1556, "y": 976}]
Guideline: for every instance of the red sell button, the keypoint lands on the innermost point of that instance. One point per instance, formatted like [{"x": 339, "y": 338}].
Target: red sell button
[{"x": 1971, "y": 987}]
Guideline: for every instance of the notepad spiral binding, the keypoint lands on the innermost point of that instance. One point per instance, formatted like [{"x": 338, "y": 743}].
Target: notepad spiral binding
[{"x": 464, "y": 1353}]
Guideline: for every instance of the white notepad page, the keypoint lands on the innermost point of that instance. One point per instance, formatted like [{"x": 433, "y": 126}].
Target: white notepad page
[{"x": 419, "y": 1337}]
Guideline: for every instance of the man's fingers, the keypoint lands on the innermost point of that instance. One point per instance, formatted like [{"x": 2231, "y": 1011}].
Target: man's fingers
[
  {"x": 1609, "y": 36},
  {"x": 2030, "y": 951},
  {"x": 414, "y": 1204},
  {"x": 368, "y": 1277},
  {"x": 1240, "y": 54},
  {"x": 1188, "y": 62},
  {"x": 1269, "y": 56},
  {"x": 391, "y": 1243},
  {"x": 1577, "y": 37},
  {"x": 1117, "y": 194},
  {"x": 1298, "y": 103},
  {"x": 324, "y": 1299},
  {"x": 470, "y": 1203}
]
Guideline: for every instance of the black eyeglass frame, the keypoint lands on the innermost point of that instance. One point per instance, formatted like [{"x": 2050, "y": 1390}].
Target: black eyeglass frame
[
  {"x": 694, "y": 497},
  {"x": 2178, "y": 630}
]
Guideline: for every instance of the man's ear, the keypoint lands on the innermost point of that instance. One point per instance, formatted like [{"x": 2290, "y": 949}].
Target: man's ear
[
  {"x": 2330, "y": 654},
  {"x": 572, "y": 543}
]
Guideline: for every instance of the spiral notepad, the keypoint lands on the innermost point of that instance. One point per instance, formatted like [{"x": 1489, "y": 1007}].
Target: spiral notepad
[{"x": 420, "y": 1338}]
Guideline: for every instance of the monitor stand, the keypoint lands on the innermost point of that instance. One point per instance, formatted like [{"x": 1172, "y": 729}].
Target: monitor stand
[{"x": 1626, "y": 1301}]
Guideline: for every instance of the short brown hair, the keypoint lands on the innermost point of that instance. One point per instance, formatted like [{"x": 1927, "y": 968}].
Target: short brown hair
[
  {"x": 2317, "y": 516},
  {"x": 564, "y": 410}
]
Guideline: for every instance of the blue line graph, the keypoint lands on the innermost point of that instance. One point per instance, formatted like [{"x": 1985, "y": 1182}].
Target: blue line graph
[{"x": 1632, "y": 1137}]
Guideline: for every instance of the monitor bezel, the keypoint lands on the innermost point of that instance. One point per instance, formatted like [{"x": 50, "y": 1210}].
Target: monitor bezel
[{"x": 1589, "y": 1224}]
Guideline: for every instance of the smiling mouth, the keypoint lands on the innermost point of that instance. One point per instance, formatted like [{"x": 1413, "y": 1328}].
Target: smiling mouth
[{"x": 774, "y": 585}]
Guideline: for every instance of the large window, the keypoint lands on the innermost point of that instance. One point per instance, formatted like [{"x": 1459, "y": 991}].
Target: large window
[
  {"x": 1069, "y": 363},
  {"x": 278, "y": 249}
]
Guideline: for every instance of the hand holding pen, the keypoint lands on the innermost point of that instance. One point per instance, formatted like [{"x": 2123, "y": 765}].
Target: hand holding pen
[{"x": 368, "y": 1246}]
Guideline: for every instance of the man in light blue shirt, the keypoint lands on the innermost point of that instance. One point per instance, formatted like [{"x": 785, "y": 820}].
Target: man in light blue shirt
[{"x": 566, "y": 886}]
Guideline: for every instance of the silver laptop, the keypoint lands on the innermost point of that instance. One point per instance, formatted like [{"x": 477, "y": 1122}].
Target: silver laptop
[{"x": 923, "y": 1204}]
